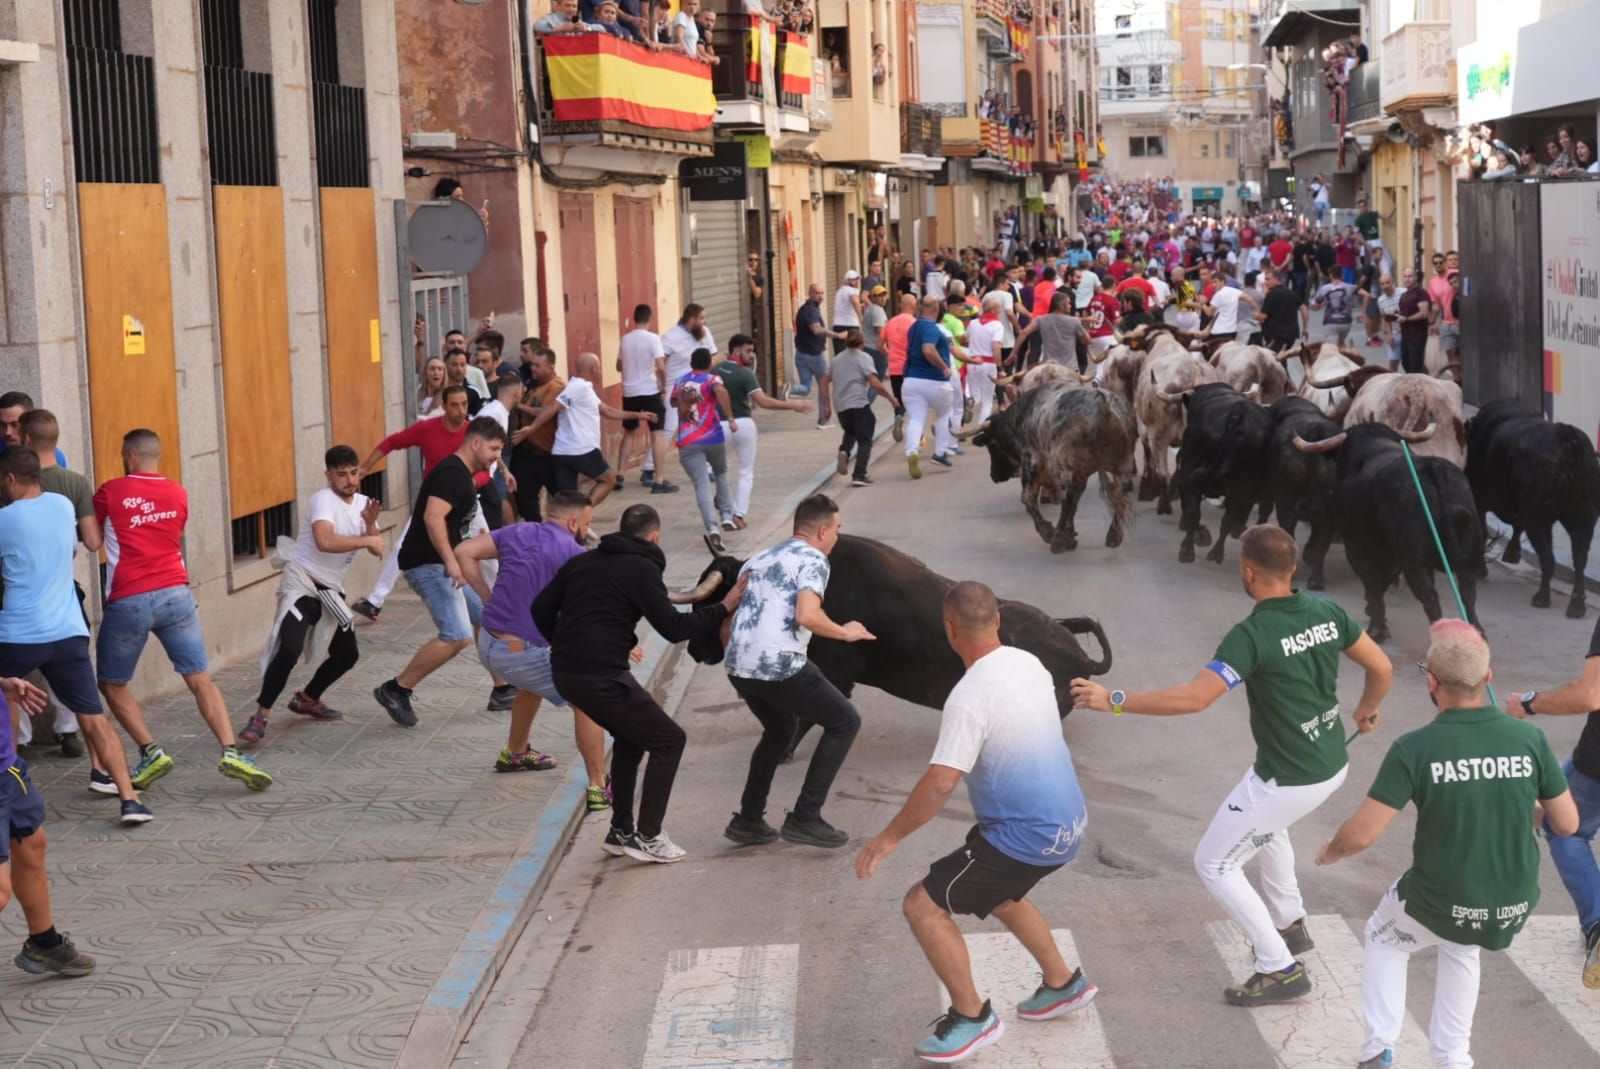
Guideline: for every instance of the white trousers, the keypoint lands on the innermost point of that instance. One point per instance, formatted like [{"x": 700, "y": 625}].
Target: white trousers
[
  {"x": 1392, "y": 937},
  {"x": 1254, "y": 820},
  {"x": 743, "y": 447},
  {"x": 389, "y": 574},
  {"x": 65, "y": 721},
  {"x": 980, "y": 384},
  {"x": 958, "y": 396},
  {"x": 922, "y": 398},
  {"x": 1097, "y": 346}
]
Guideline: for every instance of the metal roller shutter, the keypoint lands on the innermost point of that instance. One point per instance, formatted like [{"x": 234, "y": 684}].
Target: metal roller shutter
[
  {"x": 832, "y": 228},
  {"x": 716, "y": 271}
]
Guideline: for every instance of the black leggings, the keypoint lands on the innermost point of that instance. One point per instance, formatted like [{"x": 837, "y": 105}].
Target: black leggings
[
  {"x": 292, "y": 632},
  {"x": 639, "y": 726},
  {"x": 1414, "y": 353},
  {"x": 858, "y": 425},
  {"x": 778, "y": 705}
]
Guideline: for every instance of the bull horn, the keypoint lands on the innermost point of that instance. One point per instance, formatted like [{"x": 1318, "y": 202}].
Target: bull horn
[
  {"x": 707, "y": 587},
  {"x": 1287, "y": 353},
  {"x": 1175, "y": 398},
  {"x": 962, "y": 436},
  {"x": 1326, "y": 445},
  {"x": 1084, "y": 377},
  {"x": 1418, "y": 436},
  {"x": 1454, "y": 365},
  {"x": 1352, "y": 354},
  {"x": 1003, "y": 380},
  {"x": 1254, "y": 390},
  {"x": 1329, "y": 384}
]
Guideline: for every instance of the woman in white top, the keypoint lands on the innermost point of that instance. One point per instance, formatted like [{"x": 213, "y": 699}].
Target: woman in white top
[
  {"x": 847, "y": 304},
  {"x": 429, "y": 389}
]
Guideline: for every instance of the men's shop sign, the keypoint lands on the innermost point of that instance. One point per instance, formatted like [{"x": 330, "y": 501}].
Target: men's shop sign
[{"x": 718, "y": 177}]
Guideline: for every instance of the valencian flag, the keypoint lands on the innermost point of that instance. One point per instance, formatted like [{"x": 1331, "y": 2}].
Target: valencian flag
[
  {"x": 597, "y": 76},
  {"x": 1083, "y": 155}
]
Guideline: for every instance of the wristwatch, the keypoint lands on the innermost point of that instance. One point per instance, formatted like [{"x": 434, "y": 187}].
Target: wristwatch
[
  {"x": 1118, "y": 698},
  {"x": 1527, "y": 702}
]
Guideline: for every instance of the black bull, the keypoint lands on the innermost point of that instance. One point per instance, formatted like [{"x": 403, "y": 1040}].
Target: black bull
[{"x": 901, "y": 601}]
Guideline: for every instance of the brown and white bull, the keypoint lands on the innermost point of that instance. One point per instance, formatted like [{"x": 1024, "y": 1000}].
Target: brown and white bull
[
  {"x": 1169, "y": 370},
  {"x": 1244, "y": 366},
  {"x": 1325, "y": 362},
  {"x": 1408, "y": 402}
]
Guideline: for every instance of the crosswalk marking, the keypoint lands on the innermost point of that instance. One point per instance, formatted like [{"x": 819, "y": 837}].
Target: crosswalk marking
[
  {"x": 726, "y": 1008},
  {"x": 1323, "y": 1030},
  {"x": 1006, "y": 974},
  {"x": 1549, "y": 951}
]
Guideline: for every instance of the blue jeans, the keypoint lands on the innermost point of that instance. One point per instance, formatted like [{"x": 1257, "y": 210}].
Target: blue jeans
[
  {"x": 1574, "y": 854},
  {"x": 170, "y": 613},
  {"x": 455, "y": 609},
  {"x": 808, "y": 366}
]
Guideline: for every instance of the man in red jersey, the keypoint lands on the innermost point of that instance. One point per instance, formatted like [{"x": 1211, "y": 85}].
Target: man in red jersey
[{"x": 147, "y": 590}]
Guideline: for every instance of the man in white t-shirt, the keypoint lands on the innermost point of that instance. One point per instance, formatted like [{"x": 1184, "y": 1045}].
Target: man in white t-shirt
[
  {"x": 1001, "y": 732},
  {"x": 678, "y": 345},
  {"x": 984, "y": 336},
  {"x": 847, "y": 305},
  {"x": 642, "y": 363},
  {"x": 1224, "y": 310},
  {"x": 338, "y": 521},
  {"x": 577, "y": 413},
  {"x": 1388, "y": 309}
]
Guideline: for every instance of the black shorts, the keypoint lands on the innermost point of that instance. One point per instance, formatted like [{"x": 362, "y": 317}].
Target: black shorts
[
  {"x": 978, "y": 877},
  {"x": 21, "y": 807},
  {"x": 648, "y": 402},
  {"x": 568, "y": 468},
  {"x": 65, "y": 666}
]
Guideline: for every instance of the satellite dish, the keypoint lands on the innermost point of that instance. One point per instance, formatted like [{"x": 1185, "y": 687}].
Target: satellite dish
[{"x": 447, "y": 235}]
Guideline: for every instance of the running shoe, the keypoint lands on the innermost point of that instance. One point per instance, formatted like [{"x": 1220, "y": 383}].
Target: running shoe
[
  {"x": 1591, "y": 963},
  {"x": 396, "y": 701},
  {"x": 813, "y": 832},
  {"x": 958, "y": 451},
  {"x": 367, "y": 609},
  {"x": 739, "y": 524},
  {"x": 236, "y": 765},
  {"x": 714, "y": 542},
  {"x": 101, "y": 783},
  {"x": 1048, "y": 1002},
  {"x": 842, "y": 462},
  {"x": 616, "y": 842},
  {"x": 664, "y": 487},
  {"x": 1297, "y": 938},
  {"x": 253, "y": 731},
  {"x": 1265, "y": 988},
  {"x": 598, "y": 799},
  {"x": 729, "y": 525},
  {"x": 501, "y": 697},
  {"x": 528, "y": 760},
  {"x": 135, "y": 812},
  {"x": 621, "y": 481},
  {"x": 899, "y": 431},
  {"x": 956, "y": 1038},
  {"x": 749, "y": 831},
  {"x": 661, "y": 850},
  {"x": 71, "y": 743},
  {"x": 941, "y": 458},
  {"x": 312, "y": 707},
  {"x": 865, "y": 480},
  {"x": 153, "y": 764},
  {"x": 1382, "y": 1060},
  {"x": 63, "y": 958},
  {"x": 915, "y": 465}
]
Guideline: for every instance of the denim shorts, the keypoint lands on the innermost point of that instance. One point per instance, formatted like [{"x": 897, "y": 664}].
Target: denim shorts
[
  {"x": 454, "y": 609},
  {"x": 526, "y": 668},
  {"x": 810, "y": 366},
  {"x": 64, "y": 664},
  {"x": 169, "y": 613},
  {"x": 21, "y": 807}
]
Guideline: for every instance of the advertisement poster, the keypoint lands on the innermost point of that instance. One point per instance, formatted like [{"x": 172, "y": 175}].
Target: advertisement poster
[{"x": 1570, "y": 252}]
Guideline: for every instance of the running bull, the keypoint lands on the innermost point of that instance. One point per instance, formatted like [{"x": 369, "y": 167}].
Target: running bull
[
  {"x": 1055, "y": 437},
  {"x": 1534, "y": 474},
  {"x": 1386, "y": 534},
  {"x": 901, "y": 601},
  {"x": 1224, "y": 452},
  {"x": 1303, "y": 485}
]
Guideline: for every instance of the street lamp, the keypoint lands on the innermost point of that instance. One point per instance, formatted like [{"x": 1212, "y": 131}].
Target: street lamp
[{"x": 1248, "y": 67}]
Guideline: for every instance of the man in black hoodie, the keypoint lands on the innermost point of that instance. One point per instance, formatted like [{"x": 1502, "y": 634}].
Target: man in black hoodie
[{"x": 590, "y": 611}]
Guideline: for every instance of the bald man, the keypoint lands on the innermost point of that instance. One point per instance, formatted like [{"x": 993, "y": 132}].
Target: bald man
[
  {"x": 577, "y": 412},
  {"x": 1001, "y": 731}
]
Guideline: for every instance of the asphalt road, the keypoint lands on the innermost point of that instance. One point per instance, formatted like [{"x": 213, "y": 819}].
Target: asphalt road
[{"x": 829, "y": 975}]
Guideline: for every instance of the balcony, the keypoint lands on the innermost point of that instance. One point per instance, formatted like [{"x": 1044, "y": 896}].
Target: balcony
[
  {"x": 921, "y": 137},
  {"x": 1418, "y": 67},
  {"x": 1284, "y": 22},
  {"x": 752, "y": 53},
  {"x": 1362, "y": 96},
  {"x": 1002, "y": 151},
  {"x": 611, "y": 105},
  {"x": 993, "y": 16}
]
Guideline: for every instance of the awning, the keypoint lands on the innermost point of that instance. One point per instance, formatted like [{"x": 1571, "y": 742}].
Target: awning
[{"x": 1295, "y": 18}]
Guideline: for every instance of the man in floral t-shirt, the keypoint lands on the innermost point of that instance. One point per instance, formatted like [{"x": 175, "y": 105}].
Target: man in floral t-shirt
[{"x": 768, "y": 667}]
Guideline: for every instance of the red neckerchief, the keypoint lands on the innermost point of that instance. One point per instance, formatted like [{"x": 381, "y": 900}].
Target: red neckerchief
[{"x": 988, "y": 317}]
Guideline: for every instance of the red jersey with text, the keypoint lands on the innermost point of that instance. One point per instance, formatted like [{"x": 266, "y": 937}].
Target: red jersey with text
[
  {"x": 143, "y": 517},
  {"x": 1101, "y": 314}
]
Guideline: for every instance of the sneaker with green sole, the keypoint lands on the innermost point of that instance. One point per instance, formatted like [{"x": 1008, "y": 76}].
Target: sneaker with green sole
[
  {"x": 236, "y": 765},
  {"x": 1266, "y": 988},
  {"x": 153, "y": 764},
  {"x": 598, "y": 799},
  {"x": 528, "y": 760}
]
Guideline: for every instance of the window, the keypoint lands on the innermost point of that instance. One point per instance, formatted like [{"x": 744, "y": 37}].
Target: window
[
  {"x": 1146, "y": 146},
  {"x": 257, "y": 534},
  {"x": 1230, "y": 147},
  {"x": 1125, "y": 83},
  {"x": 1158, "y": 78},
  {"x": 1214, "y": 29},
  {"x": 1124, "y": 22}
]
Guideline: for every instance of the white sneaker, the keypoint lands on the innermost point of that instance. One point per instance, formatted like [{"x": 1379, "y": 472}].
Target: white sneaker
[{"x": 661, "y": 850}]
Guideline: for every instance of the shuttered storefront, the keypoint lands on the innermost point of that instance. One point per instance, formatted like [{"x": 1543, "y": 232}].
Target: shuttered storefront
[
  {"x": 832, "y": 233},
  {"x": 716, "y": 268}
]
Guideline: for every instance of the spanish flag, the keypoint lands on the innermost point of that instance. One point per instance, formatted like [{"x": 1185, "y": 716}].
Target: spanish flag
[
  {"x": 595, "y": 76},
  {"x": 795, "y": 77}
]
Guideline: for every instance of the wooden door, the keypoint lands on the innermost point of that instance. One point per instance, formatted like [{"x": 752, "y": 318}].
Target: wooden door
[
  {"x": 636, "y": 263},
  {"x": 350, "y": 295},
  {"x": 579, "y": 278}
]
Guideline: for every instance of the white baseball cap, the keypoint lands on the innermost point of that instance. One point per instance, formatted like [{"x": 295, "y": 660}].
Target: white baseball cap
[{"x": 852, "y": 273}]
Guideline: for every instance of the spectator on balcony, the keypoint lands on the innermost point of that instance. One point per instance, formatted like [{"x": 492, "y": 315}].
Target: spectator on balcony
[
  {"x": 1583, "y": 155},
  {"x": 635, "y": 16},
  {"x": 880, "y": 64},
  {"x": 608, "y": 20},
  {"x": 1503, "y": 167},
  {"x": 706, "y": 21},
  {"x": 563, "y": 18}
]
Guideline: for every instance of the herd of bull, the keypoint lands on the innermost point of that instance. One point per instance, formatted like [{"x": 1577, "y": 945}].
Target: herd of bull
[{"x": 1331, "y": 452}]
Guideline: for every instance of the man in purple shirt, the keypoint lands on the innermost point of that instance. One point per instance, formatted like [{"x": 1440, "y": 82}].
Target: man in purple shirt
[
  {"x": 510, "y": 645},
  {"x": 22, "y": 820}
]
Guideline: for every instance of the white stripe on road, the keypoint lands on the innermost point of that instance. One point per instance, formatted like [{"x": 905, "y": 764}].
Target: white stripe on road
[
  {"x": 726, "y": 1008},
  {"x": 1006, "y": 974},
  {"x": 1549, "y": 951},
  {"x": 1323, "y": 1030}
]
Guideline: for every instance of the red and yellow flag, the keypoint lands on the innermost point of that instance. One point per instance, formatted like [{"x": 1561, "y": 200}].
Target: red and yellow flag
[
  {"x": 795, "y": 77},
  {"x": 596, "y": 76}
]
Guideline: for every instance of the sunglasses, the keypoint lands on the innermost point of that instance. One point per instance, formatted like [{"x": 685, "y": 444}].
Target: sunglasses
[{"x": 1422, "y": 666}]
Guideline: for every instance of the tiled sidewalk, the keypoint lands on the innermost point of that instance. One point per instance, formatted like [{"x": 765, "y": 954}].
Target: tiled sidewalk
[{"x": 304, "y": 926}]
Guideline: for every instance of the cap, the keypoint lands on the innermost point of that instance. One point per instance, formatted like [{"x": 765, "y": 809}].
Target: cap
[
  {"x": 878, "y": 291},
  {"x": 852, "y": 273}
]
